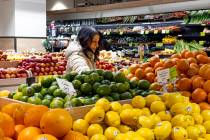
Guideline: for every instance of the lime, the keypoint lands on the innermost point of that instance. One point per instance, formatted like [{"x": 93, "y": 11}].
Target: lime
[
  {"x": 52, "y": 89},
  {"x": 67, "y": 104},
  {"x": 44, "y": 91},
  {"x": 34, "y": 100},
  {"x": 95, "y": 98},
  {"x": 115, "y": 96},
  {"x": 17, "y": 96},
  {"x": 143, "y": 84},
  {"x": 59, "y": 98},
  {"x": 46, "y": 102},
  {"x": 59, "y": 93},
  {"x": 21, "y": 87},
  {"x": 86, "y": 88},
  {"x": 54, "y": 83},
  {"x": 77, "y": 84},
  {"x": 95, "y": 86},
  {"x": 121, "y": 87},
  {"x": 106, "y": 82},
  {"x": 37, "y": 87},
  {"x": 114, "y": 88},
  {"x": 108, "y": 75},
  {"x": 46, "y": 82},
  {"x": 133, "y": 92},
  {"x": 80, "y": 78},
  {"x": 100, "y": 78},
  {"x": 134, "y": 83},
  {"x": 103, "y": 90},
  {"x": 125, "y": 96},
  {"x": 49, "y": 97},
  {"x": 24, "y": 98},
  {"x": 70, "y": 76},
  {"x": 88, "y": 101},
  {"x": 127, "y": 85},
  {"x": 99, "y": 71},
  {"x": 95, "y": 76},
  {"x": 89, "y": 79},
  {"x": 69, "y": 97},
  {"x": 11, "y": 94},
  {"x": 86, "y": 72},
  {"x": 119, "y": 77},
  {"x": 76, "y": 102},
  {"x": 109, "y": 98},
  {"x": 57, "y": 104},
  {"x": 38, "y": 95},
  {"x": 28, "y": 91}
]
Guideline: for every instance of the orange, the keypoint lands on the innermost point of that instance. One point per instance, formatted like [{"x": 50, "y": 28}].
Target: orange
[
  {"x": 73, "y": 135},
  {"x": 153, "y": 60},
  {"x": 133, "y": 68},
  {"x": 192, "y": 71},
  {"x": 208, "y": 98},
  {"x": 158, "y": 64},
  {"x": 18, "y": 113},
  {"x": 1, "y": 133},
  {"x": 185, "y": 84},
  {"x": 192, "y": 60},
  {"x": 198, "y": 82},
  {"x": 183, "y": 65},
  {"x": 7, "y": 124},
  {"x": 168, "y": 63},
  {"x": 204, "y": 106},
  {"x": 7, "y": 138},
  {"x": 18, "y": 129},
  {"x": 29, "y": 133},
  {"x": 34, "y": 114},
  {"x": 148, "y": 70},
  {"x": 186, "y": 93},
  {"x": 202, "y": 59},
  {"x": 57, "y": 122},
  {"x": 139, "y": 73},
  {"x": 45, "y": 137},
  {"x": 194, "y": 65},
  {"x": 189, "y": 55},
  {"x": 150, "y": 77},
  {"x": 206, "y": 86},
  {"x": 176, "y": 56},
  {"x": 199, "y": 95},
  {"x": 9, "y": 108}
]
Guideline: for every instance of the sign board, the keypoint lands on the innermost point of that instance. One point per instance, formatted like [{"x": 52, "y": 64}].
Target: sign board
[
  {"x": 66, "y": 86},
  {"x": 166, "y": 75}
]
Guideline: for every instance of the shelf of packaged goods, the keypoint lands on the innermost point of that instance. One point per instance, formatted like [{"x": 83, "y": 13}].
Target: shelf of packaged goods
[{"x": 76, "y": 112}]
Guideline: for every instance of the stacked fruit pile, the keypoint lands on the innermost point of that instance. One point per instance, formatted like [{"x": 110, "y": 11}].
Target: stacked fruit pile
[
  {"x": 89, "y": 86},
  {"x": 170, "y": 117},
  {"x": 105, "y": 66},
  {"x": 49, "y": 64},
  {"x": 28, "y": 122},
  {"x": 3, "y": 56},
  {"x": 12, "y": 73}
]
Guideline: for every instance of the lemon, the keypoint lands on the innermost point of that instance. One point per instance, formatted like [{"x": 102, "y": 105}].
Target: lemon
[
  {"x": 94, "y": 129},
  {"x": 95, "y": 115},
  {"x": 162, "y": 130},
  {"x": 173, "y": 99},
  {"x": 198, "y": 118},
  {"x": 137, "y": 112},
  {"x": 136, "y": 136},
  {"x": 157, "y": 106},
  {"x": 146, "y": 111},
  {"x": 196, "y": 108},
  {"x": 145, "y": 122},
  {"x": 116, "y": 106},
  {"x": 111, "y": 133},
  {"x": 179, "y": 133},
  {"x": 138, "y": 102},
  {"x": 193, "y": 132},
  {"x": 177, "y": 108},
  {"x": 130, "y": 116},
  {"x": 155, "y": 118},
  {"x": 189, "y": 120},
  {"x": 146, "y": 133},
  {"x": 121, "y": 137},
  {"x": 165, "y": 96},
  {"x": 81, "y": 126},
  {"x": 103, "y": 103},
  {"x": 165, "y": 115},
  {"x": 206, "y": 115},
  {"x": 98, "y": 137},
  {"x": 179, "y": 120},
  {"x": 151, "y": 98},
  {"x": 206, "y": 124},
  {"x": 124, "y": 128},
  {"x": 202, "y": 130},
  {"x": 201, "y": 139},
  {"x": 112, "y": 118},
  {"x": 126, "y": 106},
  {"x": 207, "y": 137}
]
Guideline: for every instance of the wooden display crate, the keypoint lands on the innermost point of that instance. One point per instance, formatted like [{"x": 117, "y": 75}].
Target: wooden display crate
[
  {"x": 11, "y": 84},
  {"x": 76, "y": 112}
]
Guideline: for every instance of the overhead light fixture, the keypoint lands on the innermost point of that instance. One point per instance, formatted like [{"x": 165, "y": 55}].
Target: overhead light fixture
[{"x": 59, "y": 6}]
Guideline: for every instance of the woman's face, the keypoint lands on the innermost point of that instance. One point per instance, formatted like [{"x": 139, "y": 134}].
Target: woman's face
[{"x": 94, "y": 42}]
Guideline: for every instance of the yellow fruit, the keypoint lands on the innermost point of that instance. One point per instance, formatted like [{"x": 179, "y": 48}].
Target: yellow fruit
[
  {"x": 201, "y": 139},
  {"x": 151, "y": 98},
  {"x": 124, "y": 128},
  {"x": 145, "y": 122},
  {"x": 126, "y": 106},
  {"x": 112, "y": 118},
  {"x": 173, "y": 99},
  {"x": 189, "y": 119},
  {"x": 121, "y": 137},
  {"x": 177, "y": 108},
  {"x": 146, "y": 111},
  {"x": 103, "y": 103},
  {"x": 165, "y": 115},
  {"x": 130, "y": 116},
  {"x": 111, "y": 132},
  {"x": 193, "y": 132},
  {"x": 179, "y": 133},
  {"x": 202, "y": 130},
  {"x": 157, "y": 106},
  {"x": 196, "y": 108},
  {"x": 98, "y": 137},
  {"x": 81, "y": 126},
  {"x": 146, "y": 133},
  {"x": 206, "y": 115},
  {"x": 165, "y": 96},
  {"x": 94, "y": 129},
  {"x": 95, "y": 115},
  {"x": 207, "y": 137},
  {"x": 206, "y": 124},
  {"x": 136, "y": 136},
  {"x": 198, "y": 118},
  {"x": 155, "y": 118},
  {"x": 116, "y": 106},
  {"x": 4, "y": 93},
  {"x": 138, "y": 102},
  {"x": 179, "y": 120},
  {"x": 162, "y": 130}
]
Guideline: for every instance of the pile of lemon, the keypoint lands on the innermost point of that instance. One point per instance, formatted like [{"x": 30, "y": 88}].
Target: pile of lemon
[{"x": 167, "y": 117}]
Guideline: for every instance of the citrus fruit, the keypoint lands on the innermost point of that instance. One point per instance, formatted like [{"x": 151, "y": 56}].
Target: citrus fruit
[
  {"x": 18, "y": 96},
  {"x": 179, "y": 133},
  {"x": 57, "y": 104},
  {"x": 146, "y": 111},
  {"x": 162, "y": 130},
  {"x": 18, "y": 129},
  {"x": 124, "y": 128},
  {"x": 94, "y": 129},
  {"x": 165, "y": 115},
  {"x": 151, "y": 98},
  {"x": 206, "y": 115},
  {"x": 98, "y": 137},
  {"x": 193, "y": 132},
  {"x": 103, "y": 103},
  {"x": 111, "y": 132},
  {"x": 206, "y": 124},
  {"x": 34, "y": 100},
  {"x": 145, "y": 122},
  {"x": 7, "y": 124},
  {"x": 95, "y": 115},
  {"x": 77, "y": 84},
  {"x": 56, "y": 122},
  {"x": 28, "y": 91},
  {"x": 45, "y": 137},
  {"x": 157, "y": 106},
  {"x": 86, "y": 88},
  {"x": 155, "y": 118},
  {"x": 138, "y": 102},
  {"x": 198, "y": 118},
  {"x": 50, "y": 90},
  {"x": 28, "y": 133},
  {"x": 202, "y": 130},
  {"x": 146, "y": 133},
  {"x": 126, "y": 106},
  {"x": 46, "y": 102},
  {"x": 81, "y": 126},
  {"x": 73, "y": 135},
  {"x": 112, "y": 118},
  {"x": 115, "y": 106}
]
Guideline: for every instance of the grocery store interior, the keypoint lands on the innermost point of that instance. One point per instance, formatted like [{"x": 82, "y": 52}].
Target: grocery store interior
[{"x": 104, "y": 69}]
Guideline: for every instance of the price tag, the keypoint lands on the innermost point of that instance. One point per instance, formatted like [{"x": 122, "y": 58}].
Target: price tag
[
  {"x": 167, "y": 75},
  {"x": 104, "y": 33},
  {"x": 201, "y": 42},
  {"x": 155, "y": 31},
  {"x": 173, "y": 74},
  {"x": 108, "y": 33},
  {"x": 159, "y": 44},
  {"x": 163, "y": 31},
  {"x": 146, "y": 32},
  {"x": 66, "y": 86},
  {"x": 202, "y": 34},
  {"x": 121, "y": 32},
  {"x": 167, "y": 31},
  {"x": 142, "y": 32}
]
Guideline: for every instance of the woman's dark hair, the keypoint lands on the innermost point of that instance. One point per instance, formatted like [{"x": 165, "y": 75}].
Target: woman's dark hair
[{"x": 85, "y": 37}]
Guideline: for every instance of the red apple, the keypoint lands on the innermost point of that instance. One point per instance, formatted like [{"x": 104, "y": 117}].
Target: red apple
[
  {"x": 47, "y": 69},
  {"x": 59, "y": 72},
  {"x": 61, "y": 68},
  {"x": 51, "y": 69},
  {"x": 52, "y": 64},
  {"x": 42, "y": 64},
  {"x": 47, "y": 64},
  {"x": 24, "y": 75},
  {"x": 35, "y": 74},
  {"x": 7, "y": 76},
  {"x": 45, "y": 73},
  {"x": 41, "y": 74},
  {"x": 18, "y": 75},
  {"x": 56, "y": 68},
  {"x": 13, "y": 75},
  {"x": 37, "y": 69},
  {"x": 42, "y": 70},
  {"x": 50, "y": 73},
  {"x": 55, "y": 73}
]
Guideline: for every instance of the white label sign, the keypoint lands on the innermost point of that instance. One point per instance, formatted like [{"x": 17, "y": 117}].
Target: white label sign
[
  {"x": 66, "y": 86},
  {"x": 163, "y": 76}
]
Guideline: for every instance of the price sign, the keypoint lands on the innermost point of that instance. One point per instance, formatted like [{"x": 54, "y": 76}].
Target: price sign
[
  {"x": 142, "y": 32},
  {"x": 108, "y": 33},
  {"x": 167, "y": 75},
  {"x": 146, "y": 32},
  {"x": 66, "y": 86},
  {"x": 155, "y": 31},
  {"x": 202, "y": 34},
  {"x": 167, "y": 31},
  {"x": 104, "y": 33},
  {"x": 201, "y": 42},
  {"x": 121, "y": 32},
  {"x": 163, "y": 31}
]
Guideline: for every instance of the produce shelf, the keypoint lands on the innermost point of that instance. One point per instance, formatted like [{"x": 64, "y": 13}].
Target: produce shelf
[{"x": 11, "y": 84}]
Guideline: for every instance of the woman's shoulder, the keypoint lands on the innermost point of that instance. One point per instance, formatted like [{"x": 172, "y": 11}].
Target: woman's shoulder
[{"x": 73, "y": 48}]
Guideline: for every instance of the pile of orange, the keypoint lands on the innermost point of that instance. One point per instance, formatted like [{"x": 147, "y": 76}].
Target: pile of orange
[
  {"x": 193, "y": 69},
  {"x": 28, "y": 122}
]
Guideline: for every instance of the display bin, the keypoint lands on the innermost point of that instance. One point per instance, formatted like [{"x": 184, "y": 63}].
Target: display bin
[
  {"x": 76, "y": 112},
  {"x": 11, "y": 84}
]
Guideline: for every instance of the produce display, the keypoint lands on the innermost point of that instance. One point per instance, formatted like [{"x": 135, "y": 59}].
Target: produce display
[
  {"x": 3, "y": 56},
  {"x": 105, "y": 65},
  {"x": 12, "y": 73},
  {"x": 198, "y": 17}
]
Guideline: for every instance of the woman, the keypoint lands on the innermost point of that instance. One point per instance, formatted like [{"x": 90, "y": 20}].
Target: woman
[{"x": 83, "y": 53}]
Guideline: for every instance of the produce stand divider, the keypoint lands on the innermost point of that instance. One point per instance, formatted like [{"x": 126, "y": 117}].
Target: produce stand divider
[
  {"x": 76, "y": 112},
  {"x": 11, "y": 84}
]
